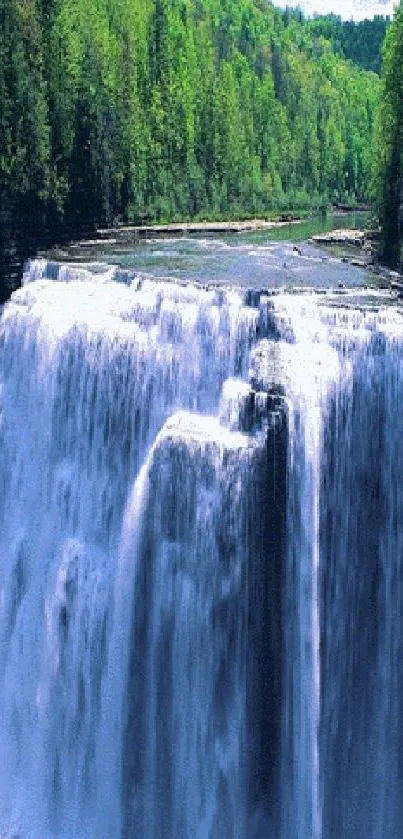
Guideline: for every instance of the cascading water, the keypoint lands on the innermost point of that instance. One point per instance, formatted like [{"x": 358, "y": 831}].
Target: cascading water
[
  {"x": 126, "y": 528},
  {"x": 201, "y": 546}
]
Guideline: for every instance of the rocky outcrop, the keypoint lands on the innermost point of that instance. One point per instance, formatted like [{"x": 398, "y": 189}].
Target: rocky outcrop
[{"x": 355, "y": 238}]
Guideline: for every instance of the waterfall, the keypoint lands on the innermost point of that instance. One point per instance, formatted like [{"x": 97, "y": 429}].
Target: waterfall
[{"x": 201, "y": 545}]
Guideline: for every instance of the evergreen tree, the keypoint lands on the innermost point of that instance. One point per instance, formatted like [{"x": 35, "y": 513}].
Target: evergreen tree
[
  {"x": 24, "y": 125},
  {"x": 390, "y": 144},
  {"x": 166, "y": 109}
]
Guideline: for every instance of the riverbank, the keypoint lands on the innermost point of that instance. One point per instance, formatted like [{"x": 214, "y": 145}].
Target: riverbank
[
  {"x": 284, "y": 227},
  {"x": 359, "y": 249},
  {"x": 127, "y": 235}
]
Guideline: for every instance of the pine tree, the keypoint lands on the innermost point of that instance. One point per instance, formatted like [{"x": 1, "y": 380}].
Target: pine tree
[{"x": 390, "y": 144}]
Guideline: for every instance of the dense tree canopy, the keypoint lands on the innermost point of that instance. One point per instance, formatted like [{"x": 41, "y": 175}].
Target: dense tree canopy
[
  {"x": 176, "y": 108},
  {"x": 390, "y": 143},
  {"x": 360, "y": 41}
]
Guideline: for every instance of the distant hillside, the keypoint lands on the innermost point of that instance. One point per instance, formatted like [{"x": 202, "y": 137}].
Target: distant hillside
[
  {"x": 389, "y": 145},
  {"x": 360, "y": 41},
  {"x": 165, "y": 109}
]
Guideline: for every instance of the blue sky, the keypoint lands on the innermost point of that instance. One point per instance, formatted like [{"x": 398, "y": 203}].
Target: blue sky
[{"x": 357, "y": 9}]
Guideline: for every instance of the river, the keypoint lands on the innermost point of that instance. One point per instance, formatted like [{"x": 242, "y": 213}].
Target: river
[{"x": 276, "y": 257}]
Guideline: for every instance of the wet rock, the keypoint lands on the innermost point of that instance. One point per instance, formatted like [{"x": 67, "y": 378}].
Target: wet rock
[{"x": 356, "y": 238}]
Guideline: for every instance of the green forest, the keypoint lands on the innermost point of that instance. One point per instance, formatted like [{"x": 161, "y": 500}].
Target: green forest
[
  {"x": 140, "y": 110},
  {"x": 389, "y": 145},
  {"x": 359, "y": 41}
]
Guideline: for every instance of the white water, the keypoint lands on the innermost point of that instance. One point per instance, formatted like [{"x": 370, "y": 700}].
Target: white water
[
  {"x": 199, "y": 621},
  {"x": 90, "y": 372},
  {"x": 344, "y": 590}
]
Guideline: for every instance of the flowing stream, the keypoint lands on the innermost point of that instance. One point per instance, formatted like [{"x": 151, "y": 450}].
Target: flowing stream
[{"x": 201, "y": 547}]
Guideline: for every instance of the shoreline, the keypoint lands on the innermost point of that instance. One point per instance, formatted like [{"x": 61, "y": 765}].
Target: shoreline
[
  {"x": 126, "y": 233},
  {"x": 366, "y": 256}
]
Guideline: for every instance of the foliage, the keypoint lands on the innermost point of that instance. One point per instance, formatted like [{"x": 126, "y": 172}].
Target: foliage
[
  {"x": 390, "y": 144},
  {"x": 360, "y": 41},
  {"x": 160, "y": 109}
]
